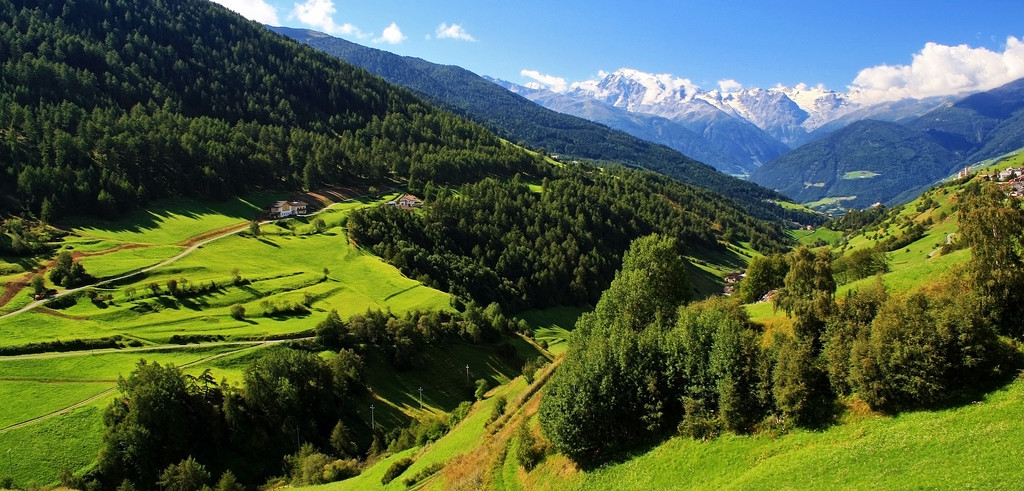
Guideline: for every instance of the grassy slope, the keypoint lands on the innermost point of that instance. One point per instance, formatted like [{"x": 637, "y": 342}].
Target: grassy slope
[
  {"x": 71, "y": 439},
  {"x": 281, "y": 268},
  {"x": 911, "y": 450},
  {"x": 553, "y": 326},
  {"x": 463, "y": 439},
  {"x": 915, "y": 450}
]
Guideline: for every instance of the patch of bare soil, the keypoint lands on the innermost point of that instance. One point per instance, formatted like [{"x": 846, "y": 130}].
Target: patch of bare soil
[
  {"x": 12, "y": 288},
  {"x": 191, "y": 241},
  {"x": 57, "y": 313}
]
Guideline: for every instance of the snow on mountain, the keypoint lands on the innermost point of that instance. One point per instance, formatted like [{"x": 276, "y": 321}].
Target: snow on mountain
[
  {"x": 789, "y": 114},
  {"x": 740, "y": 145},
  {"x": 749, "y": 125},
  {"x": 634, "y": 90}
]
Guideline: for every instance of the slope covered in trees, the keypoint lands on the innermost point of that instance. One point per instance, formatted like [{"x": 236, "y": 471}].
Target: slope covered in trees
[
  {"x": 865, "y": 163},
  {"x": 518, "y": 119},
  {"x": 500, "y": 241},
  {"x": 645, "y": 364},
  {"x": 109, "y": 104}
]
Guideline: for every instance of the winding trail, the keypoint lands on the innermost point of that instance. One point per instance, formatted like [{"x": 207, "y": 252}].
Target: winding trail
[
  {"x": 244, "y": 346},
  {"x": 195, "y": 245}
]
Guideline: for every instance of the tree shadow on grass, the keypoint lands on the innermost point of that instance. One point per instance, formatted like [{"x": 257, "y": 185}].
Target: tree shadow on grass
[
  {"x": 141, "y": 220},
  {"x": 265, "y": 241},
  {"x": 168, "y": 302}
]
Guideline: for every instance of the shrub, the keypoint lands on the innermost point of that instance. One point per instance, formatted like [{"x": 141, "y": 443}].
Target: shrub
[
  {"x": 238, "y": 311},
  {"x": 396, "y": 469},
  {"x": 529, "y": 369},
  {"x": 500, "y": 403},
  {"x": 428, "y": 471},
  {"x": 341, "y": 469},
  {"x": 698, "y": 422},
  {"x": 481, "y": 388},
  {"x": 459, "y": 413},
  {"x": 530, "y": 451}
]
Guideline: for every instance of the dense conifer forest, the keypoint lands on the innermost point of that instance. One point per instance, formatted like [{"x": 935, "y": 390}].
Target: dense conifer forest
[
  {"x": 500, "y": 241},
  {"x": 110, "y": 104}
]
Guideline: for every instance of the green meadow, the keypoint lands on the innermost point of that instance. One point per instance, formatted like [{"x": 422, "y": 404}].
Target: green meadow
[
  {"x": 913, "y": 450},
  {"x": 860, "y": 174},
  {"x": 553, "y": 326},
  {"x": 322, "y": 271},
  {"x": 60, "y": 397},
  {"x": 174, "y": 221},
  {"x": 293, "y": 263},
  {"x": 917, "y": 450}
]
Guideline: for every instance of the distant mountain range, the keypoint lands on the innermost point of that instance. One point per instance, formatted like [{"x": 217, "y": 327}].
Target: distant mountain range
[
  {"x": 520, "y": 120},
  {"x": 814, "y": 145},
  {"x": 817, "y": 146},
  {"x": 865, "y": 163},
  {"x": 739, "y": 129},
  {"x": 874, "y": 161}
]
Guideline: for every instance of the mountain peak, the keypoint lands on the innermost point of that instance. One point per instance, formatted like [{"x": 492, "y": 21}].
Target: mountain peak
[{"x": 633, "y": 89}]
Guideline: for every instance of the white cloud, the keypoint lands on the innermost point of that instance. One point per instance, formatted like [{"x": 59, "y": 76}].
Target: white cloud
[
  {"x": 942, "y": 70},
  {"x": 391, "y": 35},
  {"x": 320, "y": 14},
  {"x": 551, "y": 82},
  {"x": 729, "y": 85},
  {"x": 257, "y": 10},
  {"x": 454, "y": 31}
]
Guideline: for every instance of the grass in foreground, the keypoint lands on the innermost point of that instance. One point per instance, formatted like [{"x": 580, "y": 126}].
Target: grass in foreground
[
  {"x": 972, "y": 447},
  {"x": 39, "y": 452}
]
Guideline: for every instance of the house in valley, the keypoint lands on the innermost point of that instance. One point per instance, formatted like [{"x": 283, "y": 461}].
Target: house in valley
[
  {"x": 409, "y": 201},
  {"x": 284, "y": 209}
]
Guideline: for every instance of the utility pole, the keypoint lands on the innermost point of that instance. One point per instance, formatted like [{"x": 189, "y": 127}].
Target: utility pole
[
  {"x": 421, "y": 397},
  {"x": 373, "y": 422},
  {"x": 467, "y": 373}
]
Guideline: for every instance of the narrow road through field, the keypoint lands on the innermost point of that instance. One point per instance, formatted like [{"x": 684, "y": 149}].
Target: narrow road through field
[
  {"x": 161, "y": 264},
  {"x": 84, "y": 402},
  {"x": 225, "y": 232}
]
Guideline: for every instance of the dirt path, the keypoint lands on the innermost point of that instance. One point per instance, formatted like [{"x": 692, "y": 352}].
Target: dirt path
[
  {"x": 221, "y": 233},
  {"x": 325, "y": 197},
  {"x": 89, "y": 400},
  {"x": 12, "y": 288},
  {"x": 202, "y": 238}
]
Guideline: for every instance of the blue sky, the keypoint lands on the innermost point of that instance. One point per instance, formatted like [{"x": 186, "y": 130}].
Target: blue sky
[{"x": 910, "y": 47}]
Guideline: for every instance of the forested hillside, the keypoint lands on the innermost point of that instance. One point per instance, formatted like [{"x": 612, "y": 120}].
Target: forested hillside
[
  {"x": 640, "y": 367},
  {"x": 518, "y": 119},
  {"x": 110, "y": 104},
  {"x": 862, "y": 164},
  {"x": 500, "y": 241},
  {"x": 981, "y": 126}
]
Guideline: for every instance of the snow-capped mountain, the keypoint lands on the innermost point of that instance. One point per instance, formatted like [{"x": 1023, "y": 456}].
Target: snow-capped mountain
[
  {"x": 788, "y": 114},
  {"x": 751, "y": 125}
]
